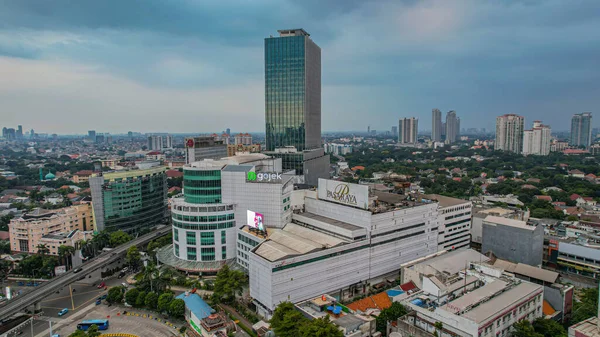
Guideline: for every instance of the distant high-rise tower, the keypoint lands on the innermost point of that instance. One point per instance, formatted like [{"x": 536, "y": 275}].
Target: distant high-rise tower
[
  {"x": 452, "y": 127},
  {"x": 228, "y": 131},
  {"x": 92, "y": 135},
  {"x": 292, "y": 91},
  {"x": 155, "y": 143},
  {"x": 537, "y": 140},
  {"x": 581, "y": 129},
  {"x": 168, "y": 142},
  {"x": 368, "y": 130},
  {"x": 436, "y": 125},
  {"x": 394, "y": 131},
  {"x": 20, "y": 132},
  {"x": 509, "y": 133},
  {"x": 407, "y": 130}
]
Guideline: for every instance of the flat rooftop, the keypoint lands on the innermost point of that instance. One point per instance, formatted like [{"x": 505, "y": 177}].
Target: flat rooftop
[
  {"x": 496, "y": 220},
  {"x": 294, "y": 240},
  {"x": 330, "y": 221},
  {"x": 588, "y": 328},
  {"x": 498, "y": 303},
  {"x": 454, "y": 261},
  {"x": 445, "y": 201}
]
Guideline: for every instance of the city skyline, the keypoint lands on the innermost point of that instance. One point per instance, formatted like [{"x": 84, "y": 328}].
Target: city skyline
[{"x": 202, "y": 73}]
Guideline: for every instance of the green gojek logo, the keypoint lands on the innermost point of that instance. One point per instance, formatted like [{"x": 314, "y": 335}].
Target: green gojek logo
[{"x": 252, "y": 176}]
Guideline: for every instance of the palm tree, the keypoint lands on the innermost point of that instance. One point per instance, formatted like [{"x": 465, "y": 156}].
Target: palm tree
[
  {"x": 42, "y": 249},
  {"x": 65, "y": 252}
]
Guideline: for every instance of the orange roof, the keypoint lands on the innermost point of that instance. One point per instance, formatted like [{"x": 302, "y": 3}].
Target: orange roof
[
  {"x": 380, "y": 301},
  {"x": 547, "y": 309},
  {"x": 362, "y": 168}
]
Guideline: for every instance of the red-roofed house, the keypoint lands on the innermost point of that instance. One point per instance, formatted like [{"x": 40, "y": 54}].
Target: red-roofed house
[
  {"x": 570, "y": 152},
  {"x": 174, "y": 174},
  {"x": 457, "y": 179},
  {"x": 544, "y": 197},
  {"x": 559, "y": 203},
  {"x": 174, "y": 189},
  {"x": 380, "y": 301},
  {"x": 155, "y": 155},
  {"x": 576, "y": 174},
  {"x": 586, "y": 201},
  {"x": 574, "y": 197},
  {"x": 406, "y": 287},
  {"x": 356, "y": 168}
]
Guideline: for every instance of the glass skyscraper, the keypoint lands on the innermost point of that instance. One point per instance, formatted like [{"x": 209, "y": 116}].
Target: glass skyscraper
[
  {"x": 581, "y": 130},
  {"x": 292, "y": 91}
]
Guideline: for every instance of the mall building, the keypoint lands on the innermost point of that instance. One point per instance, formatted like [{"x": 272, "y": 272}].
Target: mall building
[
  {"x": 219, "y": 196},
  {"x": 341, "y": 240}
]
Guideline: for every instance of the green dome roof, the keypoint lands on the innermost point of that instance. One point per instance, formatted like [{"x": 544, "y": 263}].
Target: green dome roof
[{"x": 49, "y": 176}]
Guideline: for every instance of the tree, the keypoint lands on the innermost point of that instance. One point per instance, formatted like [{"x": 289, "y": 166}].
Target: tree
[
  {"x": 65, "y": 252},
  {"x": 164, "y": 300},
  {"x": 392, "y": 313},
  {"x": 524, "y": 329},
  {"x": 131, "y": 296},
  {"x": 133, "y": 257},
  {"x": 586, "y": 307},
  {"x": 177, "y": 308},
  {"x": 321, "y": 327},
  {"x": 227, "y": 284},
  {"x": 93, "y": 331},
  {"x": 118, "y": 238},
  {"x": 42, "y": 249},
  {"x": 4, "y": 247},
  {"x": 151, "y": 300},
  {"x": 287, "y": 321},
  {"x": 438, "y": 327},
  {"x": 115, "y": 295},
  {"x": 78, "y": 333},
  {"x": 572, "y": 218},
  {"x": 140, "y": 300},
  {"x": 549, "y": 328}
]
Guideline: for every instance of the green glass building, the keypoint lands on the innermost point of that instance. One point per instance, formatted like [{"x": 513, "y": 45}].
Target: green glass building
[
  {"x": 292, "y": 91},
  {"x": 130, "y": 200}
]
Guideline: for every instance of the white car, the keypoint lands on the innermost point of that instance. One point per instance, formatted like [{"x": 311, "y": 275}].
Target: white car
[{"x": 125, "y": 285}]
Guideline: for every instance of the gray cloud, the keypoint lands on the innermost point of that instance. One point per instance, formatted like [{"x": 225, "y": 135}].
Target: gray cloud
[{"x": 381, "y": 60}]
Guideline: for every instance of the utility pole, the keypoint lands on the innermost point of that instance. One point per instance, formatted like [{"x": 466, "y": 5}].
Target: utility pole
[
  {"x": 50, "y": 322},
  {"x": 72, "y": 302}
]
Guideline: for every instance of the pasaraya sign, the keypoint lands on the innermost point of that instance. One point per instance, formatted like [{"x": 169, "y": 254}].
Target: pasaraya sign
[
  {"x": 264, "y": 177},
  {"x": 344, "y": 193}
]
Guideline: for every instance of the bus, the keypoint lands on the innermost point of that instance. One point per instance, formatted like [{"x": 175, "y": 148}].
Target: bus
[{"x": 85, "y": 325}]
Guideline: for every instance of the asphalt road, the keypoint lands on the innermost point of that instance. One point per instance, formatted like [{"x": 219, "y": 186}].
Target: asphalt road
[{"x": 86, "y": 292}]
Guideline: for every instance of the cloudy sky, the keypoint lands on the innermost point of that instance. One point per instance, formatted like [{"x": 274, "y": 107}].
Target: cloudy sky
[{"x": 197, "y": 66}]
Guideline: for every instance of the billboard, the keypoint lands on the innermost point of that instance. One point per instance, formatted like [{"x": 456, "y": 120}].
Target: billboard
[
  {"x": 344, "y": 193},
  {"x": 59, "y": 270},
  {"x": 264, "y": 177},
  {"x": 255, "y": 220}
]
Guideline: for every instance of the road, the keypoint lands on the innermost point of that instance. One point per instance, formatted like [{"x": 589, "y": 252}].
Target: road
[
  {"x": 47, "y": 289},
  {"x": 86, "y": 292}
]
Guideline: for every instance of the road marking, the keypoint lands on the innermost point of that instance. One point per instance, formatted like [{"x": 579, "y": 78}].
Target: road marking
[{"x": 63, "y": 297}]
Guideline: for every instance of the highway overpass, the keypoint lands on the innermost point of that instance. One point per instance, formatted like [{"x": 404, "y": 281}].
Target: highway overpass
[{"x": 21, "y": 302}]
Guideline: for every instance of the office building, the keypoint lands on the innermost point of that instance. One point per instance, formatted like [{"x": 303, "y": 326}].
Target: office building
[
  {"x": 454, "y": 221},
  {"x": 338, "y": 149},
  {"x": 243, "y": 139},
  {"x": 293, "y": 104},
  {"x": 233, "y": 149},
  {"x": 498, "y": 238},
  {"x": 509, "y": 133},
  {"x": 100, "y": 138},
  {"x": 218, "y": 196},
  {"x": 155, "y": 143},
  {"x": 19, "y": 134},
  {"x": 129, "y": 200},
  {"x": 91, "y": 135},
  {"x": 407, "y": 130},
  {"x": 341, "y": 240},
  {"x": 9, "y": 133},
  {"x": 467, "y": 296},
  {"x": 452, "y": 127},
  {"x": 581, "y": 130},
  {"x": 394, "y": 131},
  {"x": 292, "y": 91},
  {"x": 53, "y": 228},
  {"x": 537, "y": 140},
  {"x": 436, "y": 125},
  {"x": 205, "y": 147}
]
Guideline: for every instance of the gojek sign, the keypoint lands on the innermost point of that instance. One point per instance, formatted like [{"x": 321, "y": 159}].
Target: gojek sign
[{"x": 263, "y": 177}]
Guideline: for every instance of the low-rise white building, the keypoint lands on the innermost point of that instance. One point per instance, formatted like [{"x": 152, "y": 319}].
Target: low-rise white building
[
  {"x": 454, "y": 222},
  {"x": 343, "y": 240}
]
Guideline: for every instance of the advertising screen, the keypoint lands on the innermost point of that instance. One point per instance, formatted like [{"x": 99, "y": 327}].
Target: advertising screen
[{"x": 255, "y": 220}]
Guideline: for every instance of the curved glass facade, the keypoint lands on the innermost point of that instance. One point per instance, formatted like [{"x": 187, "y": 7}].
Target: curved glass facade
[{"x": 202, "y": 186}]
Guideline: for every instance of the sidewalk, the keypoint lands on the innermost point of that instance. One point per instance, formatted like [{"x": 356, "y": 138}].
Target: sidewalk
[{"x": 69, "y": 320}]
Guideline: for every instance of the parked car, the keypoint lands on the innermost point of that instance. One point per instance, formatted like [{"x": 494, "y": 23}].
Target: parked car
[
  {"x": 98, "y": 301},
  {"x": 21, "y": 283},
  {"x": 125, "y": 285},
  {"x": 125, "y": 269},
  {"x": 101, "y": 285},
  {"x": 29, "y": 284},
  {"x": 103, "y": 297},
  {"x": 121, "y": 274},
  {"x": 63, "y": 312},
  {"x": 77, "y": 270}
]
